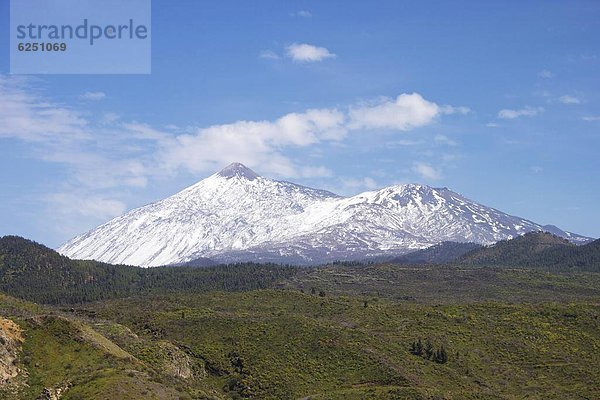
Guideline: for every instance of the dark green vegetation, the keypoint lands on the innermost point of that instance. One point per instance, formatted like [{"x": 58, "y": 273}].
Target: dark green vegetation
[
  {"x": 538, "y": 250},
  {"x": 428, "y": 352},
  {"x": 34, "y": 272},
  {"x": 533, "y": 250},
  {"x": 442, "y": 253},
  {"x": 343, "y": 331},
  {"x": 448, "y": 284}
]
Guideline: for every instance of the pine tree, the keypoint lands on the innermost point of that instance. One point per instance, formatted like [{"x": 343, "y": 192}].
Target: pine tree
[
  {"x": 428, "y": 349},
  {"x": 419, "y": 350},
  {"x": 443, "y": 358}
]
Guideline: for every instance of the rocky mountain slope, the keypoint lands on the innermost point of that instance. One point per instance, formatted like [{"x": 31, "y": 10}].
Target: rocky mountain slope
[{"x": 237, "y": 215}]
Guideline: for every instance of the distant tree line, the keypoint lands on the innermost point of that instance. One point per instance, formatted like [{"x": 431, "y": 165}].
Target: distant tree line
[{"x": 36, "y": 273}]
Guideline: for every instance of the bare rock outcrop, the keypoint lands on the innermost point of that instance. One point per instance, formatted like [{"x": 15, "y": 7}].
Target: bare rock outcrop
[{"x": 11, "y": 339}]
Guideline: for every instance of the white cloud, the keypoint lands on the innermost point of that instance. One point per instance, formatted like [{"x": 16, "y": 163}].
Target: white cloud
[
  {"x": 451, "y": 157},
  {"x": 545, "y": 74},
  {"x": 492, "y": 125},
  {"x": 71, "y": 211},
  {"x": 269, "y": 55},
  {"x": 591, "y": 118},
  {"x": 112, "y": 154},
  {"x": 260, "y": 144},
  {"x": 93, "y": 96},
  {"x": 304, "y": 14},
  {"x": 97, "y": 169},
  {"x": 105, "y": 157},
  {"x": 144, "y": 131},
  {"x": 524, "y": 112},
  {"x": 110, "y": 118},
  {"x": 426, "y": 171},
  {"x": 302, "y": 52},
  {"x": 566, "y": 99},
  {"x": 96, "y": 158},
  {"x": 443, "y": 139},
  {"x": 316, "y": 172},
  {"x": 255, "y": 143},
  {"x": 85, "y": 205},
  {"x": 26, "y": 115},
  {"x": 354, "y": 185},
  {"x": 403, "y": 142},
  {"x": 406, "y": 112},
  {"x": 455, "y": 110},
  {"x": 370, "y": 183},
  {"x": 543, "y": 93}
]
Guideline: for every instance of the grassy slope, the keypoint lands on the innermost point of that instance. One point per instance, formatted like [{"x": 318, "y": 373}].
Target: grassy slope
[
  {"x": 449, "y": 284},
  {"x": 295, "y": 345},
  {"x": 284, "y": 344},
  {"x": 66, "y": 351}
]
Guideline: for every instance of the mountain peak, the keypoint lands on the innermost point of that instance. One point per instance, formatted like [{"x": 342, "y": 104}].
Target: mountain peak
[
  {"x": 237, "y": 216},
  {"x": 237, "y": 169}
]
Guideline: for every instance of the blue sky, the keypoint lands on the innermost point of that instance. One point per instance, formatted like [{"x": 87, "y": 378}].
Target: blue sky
[{"x": 499, "y": 101}]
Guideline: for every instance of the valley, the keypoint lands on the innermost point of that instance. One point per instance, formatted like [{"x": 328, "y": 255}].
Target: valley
[{"x": 338, "y": 331}]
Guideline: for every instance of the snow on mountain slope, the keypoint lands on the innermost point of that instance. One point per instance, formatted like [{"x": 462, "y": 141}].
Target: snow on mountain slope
[
  {"x": 236, "y": 215},
  {"x": 233, "y": 209}
]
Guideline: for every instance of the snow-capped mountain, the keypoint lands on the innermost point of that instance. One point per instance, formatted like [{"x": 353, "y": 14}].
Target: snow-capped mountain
[{"x": 237, "y": 215}]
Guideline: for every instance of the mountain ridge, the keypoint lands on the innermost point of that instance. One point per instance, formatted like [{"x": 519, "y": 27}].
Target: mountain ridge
[
  {"x": 34, "y": 272},
  {"x": 537, "y": 250},
  {"x": 441, "y": 253},
  {"x": 236, "y": 215}
]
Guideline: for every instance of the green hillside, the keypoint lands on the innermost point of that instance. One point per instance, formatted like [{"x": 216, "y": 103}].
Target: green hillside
[
  {"x": 34, "y": 272},
  {"x": 289, "y": 345},
  {"x": 538, "y": 250},
  {"x": 448, "y": 284},
  {"x": 68, "y": 356},
  {"x": 442, "y": 253}
]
